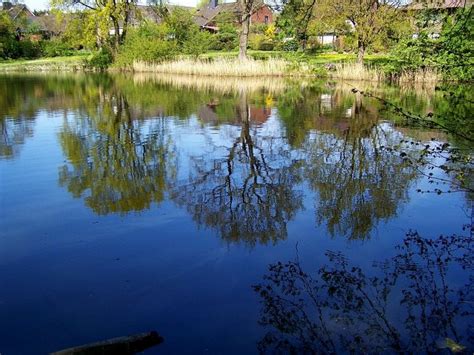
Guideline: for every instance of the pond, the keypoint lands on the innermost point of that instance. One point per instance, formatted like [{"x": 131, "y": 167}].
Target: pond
[{"x": 234, "y": 216}]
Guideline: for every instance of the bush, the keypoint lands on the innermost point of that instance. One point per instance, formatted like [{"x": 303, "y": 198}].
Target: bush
[
  {"x": 224, "y": 41},
  {"x": 313, "y": 45},
  {"x": 266, "y": 45},
  {"x": 10, "y": 48},
  {"x": 56, "y": 48},
  {"x": 197, "y": 43},
  {"x": 100, "y": 60},
  {"x": 255, "y": 40},
  {"x": 291, "y": 45},
  {"x": 148, "y": 43}
]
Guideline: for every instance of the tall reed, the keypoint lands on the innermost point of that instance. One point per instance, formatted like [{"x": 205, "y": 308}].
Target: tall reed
[
  {"x": 425, "y": 75},
  {"x": 356, "y": 71},
  {"x": 229, "y": 85},
  {"x": 222, "y": 67}
]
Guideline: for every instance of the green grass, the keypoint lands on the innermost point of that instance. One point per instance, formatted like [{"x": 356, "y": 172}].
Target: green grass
[{"x": 44, "y": 64}]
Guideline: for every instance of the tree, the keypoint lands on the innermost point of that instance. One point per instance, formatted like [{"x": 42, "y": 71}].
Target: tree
[
  {"x": 295, "y": 18},
  {"x": 444, "y": 43},
  {"x": 369, "y": 19},
  {"x": 245, "y": 9},
  {"x": 108, "y": 15}
]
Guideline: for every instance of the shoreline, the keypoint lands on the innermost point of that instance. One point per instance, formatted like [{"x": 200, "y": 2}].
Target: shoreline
[{"x": 229, "y": 67}]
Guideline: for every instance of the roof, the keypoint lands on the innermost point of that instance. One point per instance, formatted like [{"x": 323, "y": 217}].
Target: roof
[
  {"x": 16, "y": 10},
  {"x": 207, "y": 14},
  {"x": 152, "y": 13}
]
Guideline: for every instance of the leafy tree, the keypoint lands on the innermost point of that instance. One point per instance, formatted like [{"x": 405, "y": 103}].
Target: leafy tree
[
  {"x": 369, "y": 20},
  {"x": 181, "y": 25},
  {"x": 295, "y": 19},
  {"x": 449, "y": 51},
  {"x": 106, "y": 15},
  {"x": 227, "y": 37},
  {"x": 7, "y": 36},
  {"x": 149, "y": 43}
]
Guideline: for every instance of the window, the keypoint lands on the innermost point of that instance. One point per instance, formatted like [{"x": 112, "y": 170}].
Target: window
[{"x": 266, "y": 20}]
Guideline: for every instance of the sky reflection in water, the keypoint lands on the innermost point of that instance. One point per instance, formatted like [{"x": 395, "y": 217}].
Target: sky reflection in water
[{"x": 137, "y": 203}]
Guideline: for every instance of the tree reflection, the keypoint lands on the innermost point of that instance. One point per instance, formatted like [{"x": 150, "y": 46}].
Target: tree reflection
[
  {"x": 16, "y": 116},
  {"x": 248, "y": 193},
  {"x": 420, "y": 301},
  {"x": 358, "y": 181},
  {"x": 118, "y": 163}
]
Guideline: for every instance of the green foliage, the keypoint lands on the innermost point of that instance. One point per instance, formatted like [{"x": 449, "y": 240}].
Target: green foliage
[
  {"x": 197, "y": 43},
  {"x": 100, "y": 60},
  {"x": 291, "y": 45},
  {"x": 181, "y": 26},
  {"x": 56, "y": 48},
  {"x": 258, "y": 28},
  {"x": 255, "y": 40},
  {"x": 227, "y": 37},
  {"x": 451, "y": 52},
  {"x": 149, "y": 43},
  {"x": 81, "y": 30},
  {"x": 223, "y": 40},
  {"x": 11, "y": 47}
]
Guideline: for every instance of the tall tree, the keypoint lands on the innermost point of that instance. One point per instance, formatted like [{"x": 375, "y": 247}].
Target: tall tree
[
  {"x": 109, "y": 15},
  {"x": 246, "y": 8},
  {"x": 369, "y": 19}
]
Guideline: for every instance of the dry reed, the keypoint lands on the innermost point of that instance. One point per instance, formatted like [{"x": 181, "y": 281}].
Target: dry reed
[
  {"x": 229, "y": 85},
  {"x": 222, "y": 67},
  {"x": 427, "y": 75},
  {"x": 356, "y": 71}
]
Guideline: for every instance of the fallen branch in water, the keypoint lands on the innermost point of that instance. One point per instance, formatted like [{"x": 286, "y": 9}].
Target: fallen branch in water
[{"x": 116, "y": 346}]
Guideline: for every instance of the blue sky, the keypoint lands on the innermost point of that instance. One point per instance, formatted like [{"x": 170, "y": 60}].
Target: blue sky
[{"x": 43, "y": 4}]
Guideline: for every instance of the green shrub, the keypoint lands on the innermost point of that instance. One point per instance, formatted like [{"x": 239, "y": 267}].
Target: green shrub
[
  {"x": 56, "y": 48},
  {"x": 266, "y": 45},
  {"x": 291, "y": 45},
  {"x": 255, "y": 40},
  {"x": 224, "y": 41},
  {"x": 450, "y": 54},
  {"x": 29, "y": 49},
  {"x": 100, "y": 60},
  {"x": 148, "y": 43},
  {"x": 197, "y": 43}
]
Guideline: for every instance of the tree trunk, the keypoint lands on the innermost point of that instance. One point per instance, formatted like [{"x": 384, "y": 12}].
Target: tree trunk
[
  {"x": 116, "y": 36},
  {"x": 244, "y": 36},
  {"x": 360, "y": 52}
]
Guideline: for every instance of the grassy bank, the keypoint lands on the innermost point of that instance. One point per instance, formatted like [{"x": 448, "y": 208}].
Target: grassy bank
[
  {"x": 73, "y": 63},
  {"x": 261, "y": 64}
]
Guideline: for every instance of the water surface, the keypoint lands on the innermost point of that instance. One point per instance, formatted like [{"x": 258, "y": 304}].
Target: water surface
[{"x": 137, "y": 203}]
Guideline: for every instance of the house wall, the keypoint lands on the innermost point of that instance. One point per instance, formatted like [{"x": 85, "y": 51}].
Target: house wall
[{"x": 259, "y": 16}]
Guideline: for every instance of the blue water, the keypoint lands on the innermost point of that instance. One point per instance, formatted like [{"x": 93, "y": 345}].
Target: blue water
[{"x": 118, "y": 223}]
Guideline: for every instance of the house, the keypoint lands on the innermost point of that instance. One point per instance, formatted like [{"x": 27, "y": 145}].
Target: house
[
  {"x": 207, "y": 16},
  {"x": 25, "y": 20},
  {"x": 154, "y": 14},
  {"x": 151, "y": 14}
]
